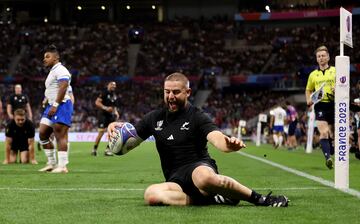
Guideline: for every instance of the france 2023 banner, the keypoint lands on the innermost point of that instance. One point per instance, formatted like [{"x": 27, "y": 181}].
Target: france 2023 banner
[{"x": 342, "y": 118}]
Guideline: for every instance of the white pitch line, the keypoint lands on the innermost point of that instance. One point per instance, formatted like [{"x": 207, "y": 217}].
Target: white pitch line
[
  {"x": 135, "y": 189},
  {"x": 69, "y": 189},
  {"x": 292, "y": 188},
  {"x": 302, "y": 174}
]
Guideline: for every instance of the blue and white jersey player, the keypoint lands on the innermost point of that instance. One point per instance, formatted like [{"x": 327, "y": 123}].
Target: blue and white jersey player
[
  {"x": 277, "y": 122},
  {"x": 57, "y": 115}
]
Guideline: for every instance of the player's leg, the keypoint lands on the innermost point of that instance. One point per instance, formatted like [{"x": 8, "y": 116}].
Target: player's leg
[
  {"x": 101, "y": 132},
  {"x": 13, "y": 156},
  {"x": 167, "y": 193},
  {"x": 45, "y": 131},
  {"x": 331, "y": 139},
  {"x": 207, "y": 181},
  {"x": 276, "y": 139},
  {"x": 62, "y": 122},
  {"x": 24, "y": 156},
  {"x": 280, "y": 138},
  {"x": 291, "y": 135},
  {"x": 211, "y": 183},
  {"x": 61, "y": 136},
  {"x": 324, "y": 130}
]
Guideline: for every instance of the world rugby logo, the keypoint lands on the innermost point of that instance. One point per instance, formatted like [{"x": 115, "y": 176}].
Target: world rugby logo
[{"x": 343, "y": 79}]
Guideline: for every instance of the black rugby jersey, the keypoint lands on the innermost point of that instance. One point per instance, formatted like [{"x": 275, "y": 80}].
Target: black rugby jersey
[
  {"x": 20, "y": 135},
  {"x": 180, "y": 136},
  {"x": 109, "y": 99},
  {"x": 18, "y": 101}
]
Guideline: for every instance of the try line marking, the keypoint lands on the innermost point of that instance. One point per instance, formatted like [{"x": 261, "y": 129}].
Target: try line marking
[
  {"x": 133, "y": 189},
  {"x": 302, "y": 174},
  {"x": 69, "y": 189}
]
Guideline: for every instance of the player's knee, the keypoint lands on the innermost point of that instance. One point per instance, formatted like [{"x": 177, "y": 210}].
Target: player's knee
[
  {"x": 152, "y": 196},
  {"x": 207, "y": 182},
  {"x": 44, "y": 141},
  {"x": 12, "y": 160},
  {"x": 24, "y": 160},
  {"x": 324, "y": 135}
]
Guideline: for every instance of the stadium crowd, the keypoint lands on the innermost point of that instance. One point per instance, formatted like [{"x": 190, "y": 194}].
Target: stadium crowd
[{"x": 219, "y": 47}]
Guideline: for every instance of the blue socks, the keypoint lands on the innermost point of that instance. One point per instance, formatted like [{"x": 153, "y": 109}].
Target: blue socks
[{"x": 326, "y": 148}]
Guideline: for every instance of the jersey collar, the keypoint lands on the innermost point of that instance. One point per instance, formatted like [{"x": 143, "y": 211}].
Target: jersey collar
[
  {"x": 324, "y": 69},
  {"x": 57, "y": 64}
]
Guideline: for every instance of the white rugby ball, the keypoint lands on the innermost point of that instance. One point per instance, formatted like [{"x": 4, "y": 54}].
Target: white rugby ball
[{"x": 125, "y": 139}]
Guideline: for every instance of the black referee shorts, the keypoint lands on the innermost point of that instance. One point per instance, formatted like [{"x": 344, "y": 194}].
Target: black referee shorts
[
  {"x": 325, "y": 112},
  {"x": 183, "y": 177}
]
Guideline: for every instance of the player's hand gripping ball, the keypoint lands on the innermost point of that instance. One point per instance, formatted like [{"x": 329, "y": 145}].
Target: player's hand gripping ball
[{"x": 124, "y": 140}]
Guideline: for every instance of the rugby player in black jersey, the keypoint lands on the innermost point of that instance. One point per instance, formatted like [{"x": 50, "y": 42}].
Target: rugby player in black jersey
[{"x": 181, "y": 134}]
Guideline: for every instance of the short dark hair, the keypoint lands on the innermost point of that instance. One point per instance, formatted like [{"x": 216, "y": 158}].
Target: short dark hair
[
  {"x": 51, "y": 48},
  {"x": 20, "y": 112}
]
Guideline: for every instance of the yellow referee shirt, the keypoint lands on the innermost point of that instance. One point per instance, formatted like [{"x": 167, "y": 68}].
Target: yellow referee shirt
[{"x": 318, "y": 77}]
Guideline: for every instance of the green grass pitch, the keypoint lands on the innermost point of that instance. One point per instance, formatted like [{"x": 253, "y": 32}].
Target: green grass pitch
[{"x": 110, "y": 189}]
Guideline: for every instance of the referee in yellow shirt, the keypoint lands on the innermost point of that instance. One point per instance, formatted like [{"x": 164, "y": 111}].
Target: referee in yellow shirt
[{"x": 324, "y": 109}]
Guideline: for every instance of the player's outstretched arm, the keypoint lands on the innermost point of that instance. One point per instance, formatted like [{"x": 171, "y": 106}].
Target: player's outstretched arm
[
  {"x": 225, "y": 143},
  {"x": 111, "y": 130}
]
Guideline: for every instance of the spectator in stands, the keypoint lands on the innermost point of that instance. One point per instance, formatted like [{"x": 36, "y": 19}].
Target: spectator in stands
[
  {"x": 19, "y": 139},
  {"x": 323, "y": 77},
  {"x": 18, "y": 100}
]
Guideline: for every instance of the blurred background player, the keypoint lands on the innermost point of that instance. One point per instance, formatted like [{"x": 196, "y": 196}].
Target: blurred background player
[
  {"x": 20, "y": 133},
  {"x": 16, "y": 101},
  {"x": 106, "y": 102},
  {"x": 324, "y": 110},
  {"x": 292, "y": 120},
  {"x": 45, "y": 104},
  {"x": 57, "y": 114},
  {"x": 277, "y": 122}
]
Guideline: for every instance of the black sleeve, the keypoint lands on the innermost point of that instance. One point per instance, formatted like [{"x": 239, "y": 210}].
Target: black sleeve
[
  {"x": 101, "y": 95},
  {"x": 26, "y": 99},
  {"x": 9, "y": 131},
  {"x": 10, "y": 100},
  {"x": 204, "y": 123},
  {"x": 143, "y": 127}
]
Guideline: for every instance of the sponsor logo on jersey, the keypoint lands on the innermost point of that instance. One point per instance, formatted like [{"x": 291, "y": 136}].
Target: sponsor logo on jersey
[
  {"x": 158, "y": 125},
  {"x": 185, "y": 126}
]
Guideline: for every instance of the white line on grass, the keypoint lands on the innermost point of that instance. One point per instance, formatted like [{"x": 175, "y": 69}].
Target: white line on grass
[
  {"x": 69, "y": 189},
  {"x": 302, "y": 174},
  {"x": 135, "y": 189}
]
